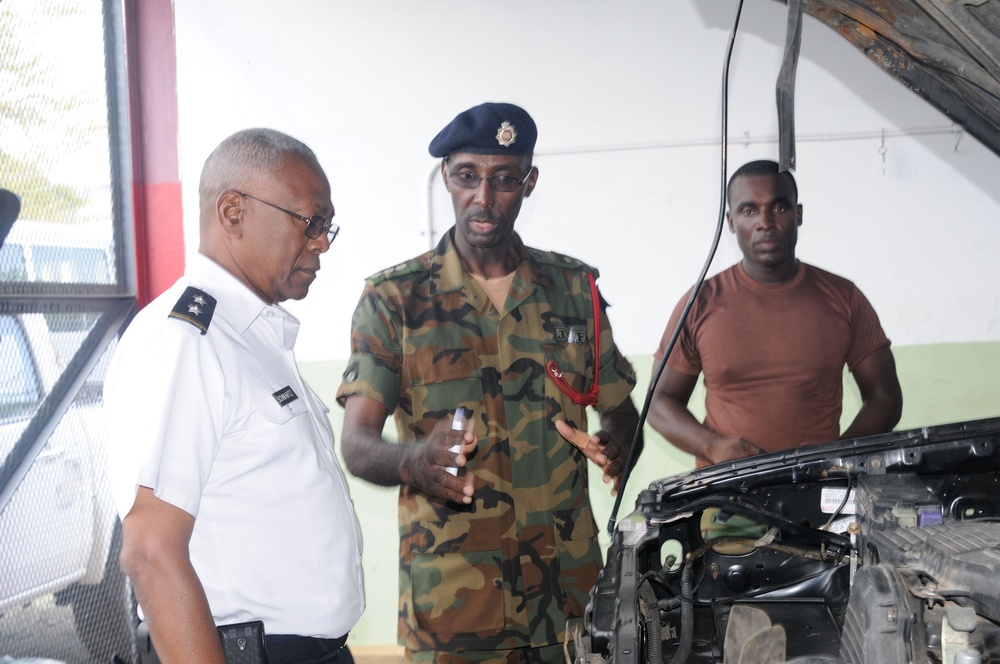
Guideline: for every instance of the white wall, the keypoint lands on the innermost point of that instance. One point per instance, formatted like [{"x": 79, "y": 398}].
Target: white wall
[{"x": 626, "y": 95}]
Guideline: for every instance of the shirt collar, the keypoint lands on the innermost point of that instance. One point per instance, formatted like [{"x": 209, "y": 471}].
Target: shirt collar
[
  {"x": 761, "y": 287},
  {"x": 236, "y": 303},
  {"x": 448, "y": 274}
]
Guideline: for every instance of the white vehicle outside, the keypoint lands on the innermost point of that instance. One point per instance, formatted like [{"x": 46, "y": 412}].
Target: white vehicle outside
[
  {"x": 47, "y": 252},
  {"x": 59, "y": 532}
]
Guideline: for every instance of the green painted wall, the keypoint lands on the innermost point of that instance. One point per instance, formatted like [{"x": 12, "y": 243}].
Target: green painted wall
[{"x": 941, "y": 383}]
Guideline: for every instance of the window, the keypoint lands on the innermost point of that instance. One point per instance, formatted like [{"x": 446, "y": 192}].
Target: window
[{"x": 20, "y": 390}]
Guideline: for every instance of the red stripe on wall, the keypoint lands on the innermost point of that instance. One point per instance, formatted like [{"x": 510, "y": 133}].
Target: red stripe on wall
[
  {"x": 159, "y": 253},
  {"x": 156, "y": 187}
]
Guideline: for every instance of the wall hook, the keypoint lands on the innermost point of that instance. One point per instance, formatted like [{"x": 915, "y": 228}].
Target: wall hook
[{"x": 882, "y": 150}]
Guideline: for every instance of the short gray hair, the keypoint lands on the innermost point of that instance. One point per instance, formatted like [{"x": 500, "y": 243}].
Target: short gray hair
[{"x": 245, "y": 157}]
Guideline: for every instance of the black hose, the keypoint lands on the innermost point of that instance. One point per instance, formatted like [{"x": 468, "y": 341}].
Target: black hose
[
  {"x": 669, "y": 603},
  {"x": 687, "y": 617},
  {"x": 654, "y": 628}
]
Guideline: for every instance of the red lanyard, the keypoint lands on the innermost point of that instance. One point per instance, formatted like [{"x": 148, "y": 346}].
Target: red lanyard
[{"x": 590, "y": 398}]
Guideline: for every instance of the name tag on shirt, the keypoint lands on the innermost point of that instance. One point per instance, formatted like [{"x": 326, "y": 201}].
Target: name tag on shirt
[
  {"x": 285, "y": 396},
  {"x": 574, "y": 334}
]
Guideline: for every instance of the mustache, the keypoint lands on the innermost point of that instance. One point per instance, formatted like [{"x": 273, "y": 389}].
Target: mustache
[{"x": 481, "y": 215}]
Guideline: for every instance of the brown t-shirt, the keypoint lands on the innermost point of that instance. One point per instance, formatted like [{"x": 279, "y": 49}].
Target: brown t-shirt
[{"x": 773, "y": 355}]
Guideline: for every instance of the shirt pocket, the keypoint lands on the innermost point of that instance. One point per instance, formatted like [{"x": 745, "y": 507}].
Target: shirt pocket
[
  {"x": 441, "y": 380},
  {"x": 456, "y": 576},
  {"x": 266, "y": 436},
  {"x": 266, "y": 405},
  {"x": 575, "y": 364}
]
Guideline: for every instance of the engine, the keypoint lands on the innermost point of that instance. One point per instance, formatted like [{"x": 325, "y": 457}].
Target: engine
[{"x": 787, "y": 564}]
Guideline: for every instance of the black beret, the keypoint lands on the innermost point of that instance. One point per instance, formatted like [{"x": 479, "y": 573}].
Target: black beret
[{"x": 489, "y": 128}]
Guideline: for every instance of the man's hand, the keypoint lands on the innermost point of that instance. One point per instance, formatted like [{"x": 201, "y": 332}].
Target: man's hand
[
  {"x": 727, "y": 448},
  {"x": 425, "y": 465},
  {"x": 596, "y": 448}
]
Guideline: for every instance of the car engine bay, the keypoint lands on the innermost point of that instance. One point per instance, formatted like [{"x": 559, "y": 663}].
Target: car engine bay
[{"x": 771, "y": 559}]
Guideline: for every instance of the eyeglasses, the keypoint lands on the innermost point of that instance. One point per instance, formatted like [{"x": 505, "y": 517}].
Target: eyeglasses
[
  {"x": 316, "y": 225},
  {"x": 501, "y": 183}
]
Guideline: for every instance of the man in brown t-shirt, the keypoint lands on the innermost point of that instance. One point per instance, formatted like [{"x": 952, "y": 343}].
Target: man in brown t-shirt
[{"x": 772, "y": 336}]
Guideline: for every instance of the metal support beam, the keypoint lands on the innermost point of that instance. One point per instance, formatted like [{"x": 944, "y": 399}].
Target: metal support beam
[{"x": 785, "y": 88}]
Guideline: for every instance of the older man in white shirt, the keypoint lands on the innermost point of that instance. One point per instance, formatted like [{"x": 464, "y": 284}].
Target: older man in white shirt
[{"x": 234, "y": 508}]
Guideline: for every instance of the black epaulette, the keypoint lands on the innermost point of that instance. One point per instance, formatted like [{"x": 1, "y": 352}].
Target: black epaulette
[{"x": 196, "y": 307}]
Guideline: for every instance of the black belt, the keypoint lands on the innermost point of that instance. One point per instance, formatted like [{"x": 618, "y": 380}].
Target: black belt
[{"x": 283, "y": 648}]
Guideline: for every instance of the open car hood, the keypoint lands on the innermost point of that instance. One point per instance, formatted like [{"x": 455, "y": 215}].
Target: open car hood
[
  {"x": 946, "y": 51},
  {"x": 876, "y": 550},
  {"x": 771, "y": 559}
]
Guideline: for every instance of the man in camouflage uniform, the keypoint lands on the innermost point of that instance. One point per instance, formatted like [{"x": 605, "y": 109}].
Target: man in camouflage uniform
[{"x": 499, "y": 555}]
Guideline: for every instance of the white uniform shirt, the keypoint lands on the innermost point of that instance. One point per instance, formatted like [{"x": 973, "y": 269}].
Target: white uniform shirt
[{"x": 197, "y": 419}]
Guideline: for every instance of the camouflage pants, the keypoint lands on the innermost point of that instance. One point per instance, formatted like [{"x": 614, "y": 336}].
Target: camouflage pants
[{"x": 545, "y": 655}]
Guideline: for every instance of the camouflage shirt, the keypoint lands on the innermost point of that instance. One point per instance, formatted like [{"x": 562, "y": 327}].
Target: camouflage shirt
[{"x": 509, "y": 569}]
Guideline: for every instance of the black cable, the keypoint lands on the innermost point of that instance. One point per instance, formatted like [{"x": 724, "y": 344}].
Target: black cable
[
  {"x": 843, "y": 504},
  {"x": 697, "y": 285}
]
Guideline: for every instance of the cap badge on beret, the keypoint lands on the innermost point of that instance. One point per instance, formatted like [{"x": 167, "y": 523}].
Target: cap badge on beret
[
  {"x": 506, "y": 134},
  {"x": 490, "y": 128}
]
